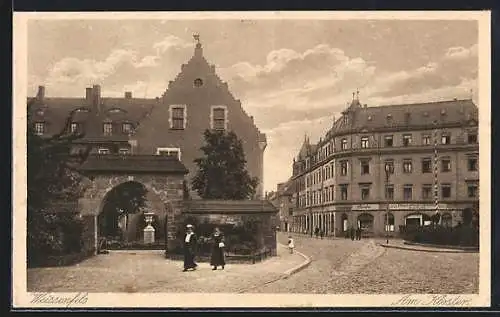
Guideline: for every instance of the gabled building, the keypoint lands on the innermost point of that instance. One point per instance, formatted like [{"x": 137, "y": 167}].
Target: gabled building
[
  {"x": 171, "y": 124},
  {"x": 429, "y": 150}
]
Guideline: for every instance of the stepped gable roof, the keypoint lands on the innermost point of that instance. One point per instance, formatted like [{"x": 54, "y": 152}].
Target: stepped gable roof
[
  {"x": 133, "y": 163},
  {"x": 201, "y": 206}
]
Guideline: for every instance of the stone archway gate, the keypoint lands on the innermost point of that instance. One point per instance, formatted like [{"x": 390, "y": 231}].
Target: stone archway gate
[{"x": 162, "y": 175}]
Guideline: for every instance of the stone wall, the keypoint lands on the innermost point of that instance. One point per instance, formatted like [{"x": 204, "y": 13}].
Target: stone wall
[{"x": 218, "y": 214}]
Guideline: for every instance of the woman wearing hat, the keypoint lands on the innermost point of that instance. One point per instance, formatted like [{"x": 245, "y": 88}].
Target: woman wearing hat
[
  {"x": 189, "y": 248},
  {"x": 217, "y": 258}
]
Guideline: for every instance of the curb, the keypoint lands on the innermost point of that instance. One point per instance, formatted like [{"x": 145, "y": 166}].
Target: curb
[
  {"x": 298, "y": 268},
  {"x": 424, "y": 250},
  {"x": 284, "y": 275},
  {"x": 436, "y": 246}
]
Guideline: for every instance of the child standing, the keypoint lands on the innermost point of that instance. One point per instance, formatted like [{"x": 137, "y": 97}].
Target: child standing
[{"x": 290, "y": 244}]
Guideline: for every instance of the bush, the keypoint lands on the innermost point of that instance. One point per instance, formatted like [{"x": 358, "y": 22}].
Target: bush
[
  {"x": 466, "y": 236},
  {"x": 53, "y": 235}
]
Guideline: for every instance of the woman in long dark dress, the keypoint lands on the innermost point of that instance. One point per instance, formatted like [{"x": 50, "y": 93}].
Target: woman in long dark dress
[
  {"x": 189, "y": 249},
  {"x": 217, "y": 258}
]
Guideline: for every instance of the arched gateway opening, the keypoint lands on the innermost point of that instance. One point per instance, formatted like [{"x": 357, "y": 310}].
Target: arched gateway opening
[
  {"x": 125, "y": 193},
  {"x": 123, "y": 216}
]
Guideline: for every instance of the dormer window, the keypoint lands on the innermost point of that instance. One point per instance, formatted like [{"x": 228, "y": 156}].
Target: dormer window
[
  {"x": 74, "y": 127},
  {"x": 198, "y": 82},
  {"x": 443, "y": 112},
  {"x": 103, "y": 151},
  {"x": 126, "y": 127},
  {"x": 107, "y": 128},
  {"x": 40, "y": 128},
  {"x": 124, "y": 151},
  {"x": 389, "y": 118},
  {"x": 178, "y": 115},
  {"x": 218, "y": 118},
  {"x": 40, "y": 112}
]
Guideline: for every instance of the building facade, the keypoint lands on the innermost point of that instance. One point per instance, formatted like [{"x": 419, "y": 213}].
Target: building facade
[
  {"x": 380, "y": 168},
  {"x": 282, "y": 199},
  {"x": 173, "y": 124}
]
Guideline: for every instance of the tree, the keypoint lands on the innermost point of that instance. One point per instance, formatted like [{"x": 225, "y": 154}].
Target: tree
[
  {"x": 221, "y": 171},
  {"x": 51, "y": 176}
]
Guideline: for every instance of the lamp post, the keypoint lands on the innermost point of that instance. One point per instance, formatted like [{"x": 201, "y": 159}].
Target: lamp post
[{"x": 389, "y": 169}]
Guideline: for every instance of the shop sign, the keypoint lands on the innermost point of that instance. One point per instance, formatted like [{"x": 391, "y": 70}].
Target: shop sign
[
  {"x": 366, "y": 207},
  {"x": 416, "y": 206}
]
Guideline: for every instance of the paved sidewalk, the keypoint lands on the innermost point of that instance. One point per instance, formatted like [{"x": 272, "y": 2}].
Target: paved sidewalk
[{"x": 149, "y": 271}]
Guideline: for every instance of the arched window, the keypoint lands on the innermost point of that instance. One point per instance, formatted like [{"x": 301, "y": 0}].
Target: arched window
[
  {"x": 345, "y": 223},
  {"x": 389, "y": 222},
  {"x": 446, "y": 220}
]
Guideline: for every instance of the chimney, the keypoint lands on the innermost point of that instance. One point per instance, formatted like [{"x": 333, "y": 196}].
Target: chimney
[
  {"x": 96, "y": 89},
  {"x": 128, "y": 95},
  {"x": 41, "y": 93},
  {"x": 88, "y": 96}
]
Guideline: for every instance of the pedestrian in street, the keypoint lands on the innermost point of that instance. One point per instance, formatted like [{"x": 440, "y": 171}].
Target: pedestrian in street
[
  {"x": 316, "y": 232},
  {"x": 351, "y": 233},
  {"x": 358, "y": 233},
  {"x": 217, "y": 258},
  {"x": 291, "y": 245},
  {"x": 189, "y": 248},
  {"x": 322, "y": 234}
]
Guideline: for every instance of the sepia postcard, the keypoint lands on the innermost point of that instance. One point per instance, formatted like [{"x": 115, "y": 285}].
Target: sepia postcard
[{"x": 251, "y": 159}]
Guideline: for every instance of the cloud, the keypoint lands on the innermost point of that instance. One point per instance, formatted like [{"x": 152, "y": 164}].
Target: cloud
[{"x": 69, "y": 76}]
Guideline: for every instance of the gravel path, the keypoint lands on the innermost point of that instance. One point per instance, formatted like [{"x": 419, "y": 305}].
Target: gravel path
[{"x": 149, "y": 271}]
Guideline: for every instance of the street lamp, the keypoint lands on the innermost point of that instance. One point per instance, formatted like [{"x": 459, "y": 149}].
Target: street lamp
[{"x": 389, "y": 169}]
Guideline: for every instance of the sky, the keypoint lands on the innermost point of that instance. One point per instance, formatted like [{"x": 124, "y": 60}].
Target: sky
[{"x": 293, "y": 76}]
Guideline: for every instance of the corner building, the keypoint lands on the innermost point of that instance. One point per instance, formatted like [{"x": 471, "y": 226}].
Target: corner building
[
  {"x": 173, "y": 124},
  {"x": 430, "y": 151}
]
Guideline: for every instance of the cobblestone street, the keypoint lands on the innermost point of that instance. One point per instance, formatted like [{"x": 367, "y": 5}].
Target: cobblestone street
[
  {"x": 149, "y": 271},
  {"x": 354, "y": 267}
]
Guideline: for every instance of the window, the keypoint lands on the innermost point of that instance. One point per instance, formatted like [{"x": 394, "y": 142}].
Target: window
[
  {"x": 445, "y": 190},
  {"x": 472, "y": 164},
  {"x": 177, "y": 115},
  {"x": 198, "y": 82},
  {"x": 126, "y": 127},
  {"x": 389, "y": 166},
  {"x": 176, "y": 152},
  {"x": 389, "y": 192},
  {"x": 124, "y": 151},
  {"x": 365, "y": 143},
  {"x": 388, "y": 141},
  {"x": 365, "y": 167},
  {"x": 407, "y": 192},
  {"x": 107, "y": 128},
  {"x": 219, "y": 118},
  {"x": 389, "y": 222},
  {"x": 74, "y": 127},
  {"x": 445, "y": 165},
  {"x": 445, "y": 139},
  {"x": 407, "y": 166},
  {"x": 427, "y": 191},
  {"x": 39, "y": 128},
  {"x": 343, "y": 144},
  {"x": 343, "y": 191},
  {"x": 472, "y": 190},
  {"x": 426, "y": 139},
  {"x": 365, "y": 192},
  {"x": 406, "y": 139},
  {"x": 103, "y": 151},
  {"x": 343, "y": 168},
  {"x": 472, "y": 138},
  {"x": 426, "y": 165}
]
